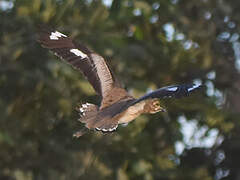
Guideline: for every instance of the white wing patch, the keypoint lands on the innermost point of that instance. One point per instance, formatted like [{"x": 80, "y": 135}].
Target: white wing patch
[
  {"x": 77, "y": 52},
  {"x": 55, "y": 35},
  {"x": 193, "y": 87},
  {"x": 172, "y": 88}
]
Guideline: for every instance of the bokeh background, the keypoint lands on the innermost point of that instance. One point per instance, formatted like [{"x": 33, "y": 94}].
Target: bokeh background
[{"x": 149, "y": 44}]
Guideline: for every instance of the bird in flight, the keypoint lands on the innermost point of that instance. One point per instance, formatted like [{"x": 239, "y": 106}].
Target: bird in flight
[{"x": 117, "y": 105}]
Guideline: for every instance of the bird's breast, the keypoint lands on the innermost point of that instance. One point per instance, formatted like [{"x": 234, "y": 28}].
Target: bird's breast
[{"x": 131, "y": 113}]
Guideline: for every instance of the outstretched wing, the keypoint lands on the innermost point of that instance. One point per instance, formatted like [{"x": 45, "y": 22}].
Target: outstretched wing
[
  {"x": 92, "y": 65},
  {"x": 175, "y": 91}
]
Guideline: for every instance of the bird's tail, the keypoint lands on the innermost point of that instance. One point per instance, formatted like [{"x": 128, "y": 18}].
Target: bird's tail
[{"x": 86, "y": 111}]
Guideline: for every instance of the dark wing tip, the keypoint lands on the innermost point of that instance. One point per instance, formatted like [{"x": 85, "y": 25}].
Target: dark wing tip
[
  {"x": 185, "y": 89},
  {"x": 52, "y": 38},
  {"x": 47, "y": 36},
  {"x": 177, "y": 91}
]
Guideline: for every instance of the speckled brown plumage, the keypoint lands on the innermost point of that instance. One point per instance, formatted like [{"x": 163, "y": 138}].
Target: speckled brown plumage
[{"x": 117, "y": 105}]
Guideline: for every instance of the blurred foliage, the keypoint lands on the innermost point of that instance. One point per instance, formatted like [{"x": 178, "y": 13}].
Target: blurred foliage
[{"x": 149, "y": 44}]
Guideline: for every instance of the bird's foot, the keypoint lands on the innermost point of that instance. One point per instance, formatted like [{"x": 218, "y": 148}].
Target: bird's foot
[{"x": 80, "y": 133}]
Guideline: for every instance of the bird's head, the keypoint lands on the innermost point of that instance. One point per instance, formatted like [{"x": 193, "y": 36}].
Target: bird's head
[{"x": 156, "y": 107}]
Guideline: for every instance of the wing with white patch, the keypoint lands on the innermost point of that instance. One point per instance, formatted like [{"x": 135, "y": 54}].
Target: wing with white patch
[
  {"x": 175, "y": 91},
  {"x": 92, "y": 65}
]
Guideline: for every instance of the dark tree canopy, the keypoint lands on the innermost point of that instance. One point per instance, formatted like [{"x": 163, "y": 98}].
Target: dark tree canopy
[{"x": 148, "y": 44}]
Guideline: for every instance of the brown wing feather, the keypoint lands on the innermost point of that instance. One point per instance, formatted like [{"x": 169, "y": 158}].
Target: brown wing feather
[{"x": 92, "y": 65}]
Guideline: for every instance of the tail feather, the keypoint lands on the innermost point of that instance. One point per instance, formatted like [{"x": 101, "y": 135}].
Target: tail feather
[
  {"x": 86, "y": 111},
  {"x": 93, "y": 118}
]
